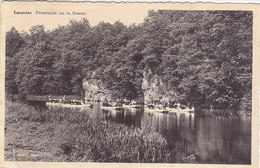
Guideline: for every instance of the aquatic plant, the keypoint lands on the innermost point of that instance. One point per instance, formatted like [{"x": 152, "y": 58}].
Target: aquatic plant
[{"x": 70, "y": 135}]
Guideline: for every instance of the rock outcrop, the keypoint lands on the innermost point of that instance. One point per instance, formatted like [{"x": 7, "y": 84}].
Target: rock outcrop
[
  {"x": 156, "y": 91},
  {"x": 152, "y": 90},
  {"x": 95, "y": 91}
]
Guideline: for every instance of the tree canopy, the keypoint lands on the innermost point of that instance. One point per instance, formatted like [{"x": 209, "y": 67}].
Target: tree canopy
[{"x": 203, "y": 57}]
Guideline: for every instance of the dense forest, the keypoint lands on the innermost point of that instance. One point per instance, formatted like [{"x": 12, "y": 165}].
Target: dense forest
[{"x": 203, "y": 57}]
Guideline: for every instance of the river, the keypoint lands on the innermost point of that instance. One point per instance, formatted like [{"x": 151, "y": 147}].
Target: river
[{"x": 192, "y": 139}]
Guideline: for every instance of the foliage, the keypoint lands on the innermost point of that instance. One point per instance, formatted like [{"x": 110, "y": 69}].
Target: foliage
[
  {"x": 14, "y": 42},
  {"x": 69, "y": 135},
  {"x": 203, "y": 57}
]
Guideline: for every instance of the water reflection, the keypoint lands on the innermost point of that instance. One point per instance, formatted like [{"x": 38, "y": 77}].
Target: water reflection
[
  {"x": 126, "y": 116},
  {"x": 209, "y": 140}
]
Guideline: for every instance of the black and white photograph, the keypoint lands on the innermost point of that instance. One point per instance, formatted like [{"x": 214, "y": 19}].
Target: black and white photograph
[{"x": 163, "y": 86}]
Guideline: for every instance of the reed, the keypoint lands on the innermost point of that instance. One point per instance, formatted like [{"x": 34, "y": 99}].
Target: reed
[{"x": 70, "y": 135}]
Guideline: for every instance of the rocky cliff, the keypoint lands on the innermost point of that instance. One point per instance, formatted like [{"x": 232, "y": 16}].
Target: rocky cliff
[
  {"x": 156, "y": 91},
  {"x": 151, "y": 90},
  {"x": 95, "y": 91}
]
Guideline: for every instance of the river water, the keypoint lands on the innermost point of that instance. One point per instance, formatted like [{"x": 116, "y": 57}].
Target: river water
[{"x": 192, "y": 139}]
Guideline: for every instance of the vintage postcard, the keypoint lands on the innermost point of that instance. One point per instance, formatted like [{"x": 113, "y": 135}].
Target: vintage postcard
[{"x": 129, "y": 84}]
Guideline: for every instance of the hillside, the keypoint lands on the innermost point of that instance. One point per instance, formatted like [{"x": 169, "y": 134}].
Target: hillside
[{"x": 202, "y": 58}]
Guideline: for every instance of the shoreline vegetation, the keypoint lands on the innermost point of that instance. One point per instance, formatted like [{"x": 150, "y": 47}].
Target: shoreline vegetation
[
  {"x": 201, "y": 59},
  {"x": 68, "y": 135},
  {"x": 202, "y": 112}
]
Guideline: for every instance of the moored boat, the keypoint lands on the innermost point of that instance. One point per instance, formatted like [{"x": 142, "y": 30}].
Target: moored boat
[
  {"x": 53, "y": 104},
  {"x": 112, "y": 106},
  {"x": 77, "y": 105},
  {"x": 72, "y": 104},
  {"x": 132, "y": 105},
  {"x": 178, "y": 108},
  {"x": 156, "y": 108}
]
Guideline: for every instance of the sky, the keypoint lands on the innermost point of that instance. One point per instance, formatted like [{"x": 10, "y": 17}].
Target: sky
[
  {"x": 94, "y": 13},
  {"x": 130, "y": 13}
]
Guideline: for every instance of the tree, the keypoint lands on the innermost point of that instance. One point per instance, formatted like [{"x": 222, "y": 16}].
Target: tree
[
  {"x": 14, "y": 42},
  {"x": 200, "y": 58}
]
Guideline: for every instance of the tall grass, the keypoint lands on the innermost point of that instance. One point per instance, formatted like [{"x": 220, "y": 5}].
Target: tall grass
[{"x": 70, "y": 135}]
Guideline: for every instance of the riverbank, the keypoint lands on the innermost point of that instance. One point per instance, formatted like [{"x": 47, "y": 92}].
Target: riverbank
[{"x": 69, "y": 135}]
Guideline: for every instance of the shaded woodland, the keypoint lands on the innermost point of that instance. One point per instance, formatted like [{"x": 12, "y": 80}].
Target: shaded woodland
[{"x": 204, "y": 57}]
